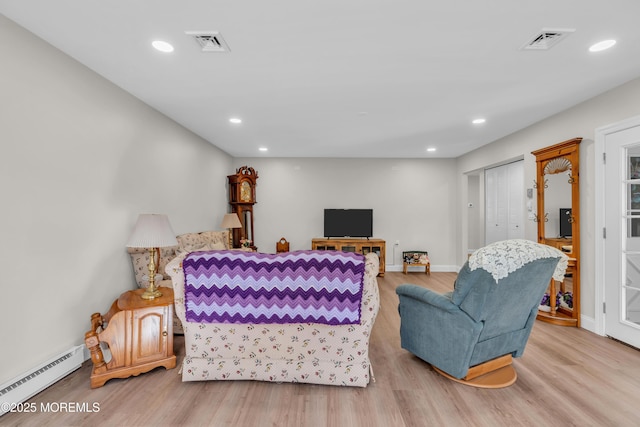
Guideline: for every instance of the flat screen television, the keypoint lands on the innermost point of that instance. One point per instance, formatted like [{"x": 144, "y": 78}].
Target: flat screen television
[
  {"x": 348, "y": 223},
  {"x": 565, "y": 222}
]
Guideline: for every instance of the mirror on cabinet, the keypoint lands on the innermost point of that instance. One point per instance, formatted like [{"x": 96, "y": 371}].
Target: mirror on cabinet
[
  {"x": 557, "y": 202},
  {"x": 558, "y": 218}
]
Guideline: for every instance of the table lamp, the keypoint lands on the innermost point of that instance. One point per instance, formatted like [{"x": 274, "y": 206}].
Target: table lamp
[
  {"x": 230, "y": 221},
  {"x": 152, "y": 231}
]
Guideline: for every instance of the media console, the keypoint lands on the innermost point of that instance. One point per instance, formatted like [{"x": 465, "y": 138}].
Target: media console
[{"x": 361, "y": 246}]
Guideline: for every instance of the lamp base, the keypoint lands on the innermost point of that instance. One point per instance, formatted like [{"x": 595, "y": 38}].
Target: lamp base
[
  {"x": 230, "y": 238},
  {"x": 151, "y": 293}
]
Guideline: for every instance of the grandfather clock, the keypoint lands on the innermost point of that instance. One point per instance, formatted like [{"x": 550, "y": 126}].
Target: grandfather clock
[{"x": 242, "y": 197}]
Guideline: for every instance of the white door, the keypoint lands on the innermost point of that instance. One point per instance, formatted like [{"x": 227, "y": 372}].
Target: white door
[
  {"x": 622, "y": 242},
  {"x": 495, "y": 204},
  {"x": 515, "y": 188},
  {"x": 504, "y": 202}
]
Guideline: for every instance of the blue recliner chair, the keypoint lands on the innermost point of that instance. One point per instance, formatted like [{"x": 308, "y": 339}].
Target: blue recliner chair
[{"x": 471, "y": 334}]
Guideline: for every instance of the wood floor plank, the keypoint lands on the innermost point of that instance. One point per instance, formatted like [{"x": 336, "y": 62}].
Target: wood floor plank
[{"x": 567, "y": 376}]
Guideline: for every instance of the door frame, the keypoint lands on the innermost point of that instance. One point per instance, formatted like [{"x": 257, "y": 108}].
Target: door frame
[{"x": 601, "y": 134}]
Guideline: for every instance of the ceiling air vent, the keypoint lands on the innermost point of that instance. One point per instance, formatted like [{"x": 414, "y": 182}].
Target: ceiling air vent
[
  {"x": 547, "y": 38},
  {"x": 209, "y": 41}
]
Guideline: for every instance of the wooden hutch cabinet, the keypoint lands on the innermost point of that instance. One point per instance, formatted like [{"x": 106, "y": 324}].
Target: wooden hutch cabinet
[
  {"x": 361, "y": 246},
  {"x": 558, "y": 195}
]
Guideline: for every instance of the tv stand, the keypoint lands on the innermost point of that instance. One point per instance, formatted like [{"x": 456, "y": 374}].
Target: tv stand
[
  {"x": 346, "y": 237},
  {"x": 361, "y": 246}
]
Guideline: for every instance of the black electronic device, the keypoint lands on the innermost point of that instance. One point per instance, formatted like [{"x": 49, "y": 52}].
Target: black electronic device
[
  {"x": 348, "y": 223},
  {"x": 565, "y": 222}
]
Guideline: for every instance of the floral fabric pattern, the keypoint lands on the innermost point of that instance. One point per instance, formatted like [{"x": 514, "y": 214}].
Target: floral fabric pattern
[
  {"x": 299, "y": 352},
  {"x": 140, "y": 262},
  {"x": 212, "y": 240},
  {"x": 506, "y": 256}
]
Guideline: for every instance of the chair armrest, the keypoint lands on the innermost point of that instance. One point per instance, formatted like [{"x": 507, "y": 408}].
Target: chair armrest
[
  {"x": 436, "y": 330},
  {"x": 427, "y": 296}
]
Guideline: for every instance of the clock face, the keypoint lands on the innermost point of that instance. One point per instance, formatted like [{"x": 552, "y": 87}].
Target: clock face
[{"x": 245, "y": 192}]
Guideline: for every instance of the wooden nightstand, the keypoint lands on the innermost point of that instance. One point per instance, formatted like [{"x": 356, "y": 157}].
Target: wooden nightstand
[{"x": 139, "y": 334}]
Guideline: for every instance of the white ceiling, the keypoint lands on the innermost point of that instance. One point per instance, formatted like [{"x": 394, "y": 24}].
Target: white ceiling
[{"x": 347, "y": 78}]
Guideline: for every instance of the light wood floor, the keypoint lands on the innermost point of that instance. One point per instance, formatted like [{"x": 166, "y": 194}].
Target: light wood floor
[{"x": 567, "y": 377}]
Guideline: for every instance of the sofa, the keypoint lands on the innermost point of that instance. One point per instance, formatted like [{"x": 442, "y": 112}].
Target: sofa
[
  {"x": 188, "y": 242},
  {"x": 225, "y": 348}
]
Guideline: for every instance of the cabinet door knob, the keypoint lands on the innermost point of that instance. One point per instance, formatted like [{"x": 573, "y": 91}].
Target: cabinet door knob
[{"x": 164, "y": 333}]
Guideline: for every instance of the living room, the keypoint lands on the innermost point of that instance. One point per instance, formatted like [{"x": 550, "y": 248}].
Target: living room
[{"x": 83, "y": 158}]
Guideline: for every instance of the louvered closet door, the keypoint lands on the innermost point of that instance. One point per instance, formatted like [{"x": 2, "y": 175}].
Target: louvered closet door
[
  {"x": 515, "y": 202},
  {"x": 504, "y": 202}
]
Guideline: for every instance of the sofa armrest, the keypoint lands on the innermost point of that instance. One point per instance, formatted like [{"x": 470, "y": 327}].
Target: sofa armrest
[{"x": 372, "y": 264}]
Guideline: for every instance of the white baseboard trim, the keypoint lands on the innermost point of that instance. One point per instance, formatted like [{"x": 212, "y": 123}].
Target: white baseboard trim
[
  {"x": 22, "y": 387},
  {"x": 438, "y": 268},
  {"x": 588, "y": 323}
]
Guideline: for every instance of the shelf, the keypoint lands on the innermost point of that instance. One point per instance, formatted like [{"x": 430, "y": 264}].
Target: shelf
[
  {"x": 559, "y": 318},
  {"x": 361, "y": 246}
]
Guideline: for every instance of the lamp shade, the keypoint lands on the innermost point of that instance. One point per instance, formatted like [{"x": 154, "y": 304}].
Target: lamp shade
[
  {"x": 231, "y": 220},
  {"x": 152, "y": 231}
]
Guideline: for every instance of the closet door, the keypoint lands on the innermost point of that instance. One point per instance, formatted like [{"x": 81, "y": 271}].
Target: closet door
[
  {"x": 495, "y": 204},
  {"x": 515, "y": 202},
  {"x": 504, "y": 202}
]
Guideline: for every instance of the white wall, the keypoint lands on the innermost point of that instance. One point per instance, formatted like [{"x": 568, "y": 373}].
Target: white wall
[
  {"x": 580, "y": 121},
  {"x": 413, "y": 201},
  {"x": 80, "y": 160}
]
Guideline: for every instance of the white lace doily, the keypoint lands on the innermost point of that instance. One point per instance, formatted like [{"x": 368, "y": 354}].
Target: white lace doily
[{"x": 506, "y": 256}]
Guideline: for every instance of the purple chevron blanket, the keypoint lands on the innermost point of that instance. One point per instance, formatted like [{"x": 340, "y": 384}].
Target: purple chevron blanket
[{"x": 293, "y": 287}]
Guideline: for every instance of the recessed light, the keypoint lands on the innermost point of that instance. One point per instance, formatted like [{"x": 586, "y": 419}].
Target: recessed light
[
  {"x": 431, "y": 149},
  {"x": 235, "y": 120},
  {"x": 162, "y": 46},
  {"x": 263, "y": 149},
  {"x": 478, "y": 121},
  {"x": 603, "y": 45}
]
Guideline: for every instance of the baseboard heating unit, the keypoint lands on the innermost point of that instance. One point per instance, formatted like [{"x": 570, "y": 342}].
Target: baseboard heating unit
[{"x": 31, "y": 383}]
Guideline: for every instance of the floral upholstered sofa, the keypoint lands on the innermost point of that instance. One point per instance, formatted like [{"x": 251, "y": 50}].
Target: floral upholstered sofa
[
  {"x": 188, "y": 242},
  {"x": 223, "y": 347}
]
